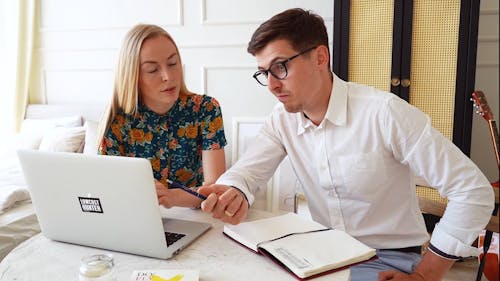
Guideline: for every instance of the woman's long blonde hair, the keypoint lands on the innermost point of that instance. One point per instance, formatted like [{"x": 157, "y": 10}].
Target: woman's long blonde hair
[{"x": 126, "y": 85}]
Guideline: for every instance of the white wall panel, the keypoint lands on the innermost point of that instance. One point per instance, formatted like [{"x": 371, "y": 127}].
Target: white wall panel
[
  {"x": 78, "y": 86},
  {"x": 256, "y": 11},
  {"x": 196, "y": 58},
  {"x": 487, "y": 53},
  {"x": 482, "y": 152},
  {"x": 213, "y": 36},
  {"x": 80, "y": 59},
  {"x": 488, "y": 23},
  {"x": 80, "y": 40},
  {"x": 489, "y": 5},
  {"x": 95, "y": 14},
  {"x": 239, "y": 95},
  {"x": 486, "y": 80},
  {"x": 48, "y": 83}
]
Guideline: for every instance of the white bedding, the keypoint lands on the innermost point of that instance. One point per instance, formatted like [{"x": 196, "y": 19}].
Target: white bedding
[
  {"x": 17, "y": 224},
  {"x": 12, "y": 184},
  {"x": 18, "y": 220}
]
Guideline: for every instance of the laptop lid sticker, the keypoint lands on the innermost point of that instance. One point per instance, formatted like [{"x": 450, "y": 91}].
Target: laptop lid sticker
[{"x": 90, "y": 205}]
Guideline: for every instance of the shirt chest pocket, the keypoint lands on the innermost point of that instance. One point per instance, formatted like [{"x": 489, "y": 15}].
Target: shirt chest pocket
[{"x": 362, "y": 174}]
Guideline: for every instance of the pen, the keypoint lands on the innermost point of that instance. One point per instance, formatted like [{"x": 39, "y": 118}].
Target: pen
[{"x": 187, "y": 189}]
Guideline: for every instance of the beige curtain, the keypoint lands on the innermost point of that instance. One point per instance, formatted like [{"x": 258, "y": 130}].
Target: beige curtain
[
  {"x": 26, "y": 31},
  {"x": 16, "y": 37}
]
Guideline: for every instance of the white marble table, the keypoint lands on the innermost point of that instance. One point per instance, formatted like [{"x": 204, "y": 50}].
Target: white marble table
[{"x": 214, "y": 255}]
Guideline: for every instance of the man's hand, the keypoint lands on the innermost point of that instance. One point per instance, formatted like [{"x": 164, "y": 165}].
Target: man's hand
[
  {"x": 431, "y": 268},
  {"x": 224, "y": 202}
]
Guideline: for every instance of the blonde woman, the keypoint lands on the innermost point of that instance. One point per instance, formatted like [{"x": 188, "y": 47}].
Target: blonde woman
[{"x": 153, "y": 115}]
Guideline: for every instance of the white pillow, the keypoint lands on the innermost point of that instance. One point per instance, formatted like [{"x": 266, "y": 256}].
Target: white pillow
[
  {"x": 90, "y": 137},
  {"x": 32, "y": 130},
  {"x": 8, "y": 146},
  {"x": 61, "y": 139}
]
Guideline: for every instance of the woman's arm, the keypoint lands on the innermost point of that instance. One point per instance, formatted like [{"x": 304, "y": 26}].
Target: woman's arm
[{"x": 214, "y": 165}]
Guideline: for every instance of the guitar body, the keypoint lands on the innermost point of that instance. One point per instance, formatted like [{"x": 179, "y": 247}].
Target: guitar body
[{"x": 491, "y": 262}]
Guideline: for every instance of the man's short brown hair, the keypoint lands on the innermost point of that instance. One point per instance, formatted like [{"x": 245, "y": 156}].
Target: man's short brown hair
[{"x": 303, "y": 29}]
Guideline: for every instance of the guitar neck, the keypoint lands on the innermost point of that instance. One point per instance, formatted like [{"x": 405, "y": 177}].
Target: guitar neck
[{"x": 494, "y": 137}]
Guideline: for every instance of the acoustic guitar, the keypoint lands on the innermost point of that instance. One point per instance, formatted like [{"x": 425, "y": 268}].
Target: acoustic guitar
[
  {"x": 488, "y": 260},
  {"x": 483, "y": 109}
]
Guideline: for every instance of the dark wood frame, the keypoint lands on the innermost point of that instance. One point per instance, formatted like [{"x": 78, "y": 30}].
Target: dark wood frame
[{"x": 466, "y": 59}]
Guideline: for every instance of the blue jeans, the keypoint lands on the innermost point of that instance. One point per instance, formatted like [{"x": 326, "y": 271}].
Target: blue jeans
[{"x": 387, "y": 260}]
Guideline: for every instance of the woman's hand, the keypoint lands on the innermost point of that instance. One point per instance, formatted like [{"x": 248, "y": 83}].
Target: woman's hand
[{"x": 170, "y": 197}]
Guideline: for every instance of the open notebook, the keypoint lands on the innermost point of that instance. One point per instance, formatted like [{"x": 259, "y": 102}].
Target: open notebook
[{"x": 303, "y": 247}]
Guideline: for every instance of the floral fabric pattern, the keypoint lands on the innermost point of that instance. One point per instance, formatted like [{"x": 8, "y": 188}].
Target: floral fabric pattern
[{"x": 173, "y": 142}]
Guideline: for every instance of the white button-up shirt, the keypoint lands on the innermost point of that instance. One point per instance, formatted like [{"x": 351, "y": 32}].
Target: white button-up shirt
[{"x": 357, "y": 168}]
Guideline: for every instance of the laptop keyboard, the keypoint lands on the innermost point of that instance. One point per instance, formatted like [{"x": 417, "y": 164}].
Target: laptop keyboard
[{"x": 172, "y": 237}]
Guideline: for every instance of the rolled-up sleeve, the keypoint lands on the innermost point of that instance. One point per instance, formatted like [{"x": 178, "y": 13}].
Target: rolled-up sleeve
[{"x": 436, "y": 159}]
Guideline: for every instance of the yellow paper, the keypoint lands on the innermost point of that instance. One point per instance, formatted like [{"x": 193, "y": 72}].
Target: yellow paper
[{"x": 158, "y": 278}]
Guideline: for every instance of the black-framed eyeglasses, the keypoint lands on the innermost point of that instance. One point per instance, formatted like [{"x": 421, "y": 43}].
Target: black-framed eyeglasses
[{"x": 277, "y": 69}]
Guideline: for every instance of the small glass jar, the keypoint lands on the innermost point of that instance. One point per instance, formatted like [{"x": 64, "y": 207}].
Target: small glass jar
[{"x": 97, "y": 268}]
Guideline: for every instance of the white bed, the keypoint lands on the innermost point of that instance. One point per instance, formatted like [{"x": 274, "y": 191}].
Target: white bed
[
  {"x": 17, "y": 221},
  {"x": 41, "y": 130}
]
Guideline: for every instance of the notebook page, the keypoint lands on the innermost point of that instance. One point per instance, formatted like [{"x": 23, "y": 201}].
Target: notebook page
[
  {"x": 251, "y": 233},
  {"x": 315, "y": 252}
]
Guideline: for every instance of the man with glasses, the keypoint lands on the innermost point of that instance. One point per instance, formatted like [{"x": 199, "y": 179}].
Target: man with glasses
[{"x": 355, "y": 150}]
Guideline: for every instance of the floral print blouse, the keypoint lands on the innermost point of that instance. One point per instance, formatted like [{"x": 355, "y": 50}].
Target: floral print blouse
[{"x": 173, "y": 142}]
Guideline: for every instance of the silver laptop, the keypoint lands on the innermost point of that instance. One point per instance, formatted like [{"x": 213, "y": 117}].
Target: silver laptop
[{"x": 106, "y": 202}]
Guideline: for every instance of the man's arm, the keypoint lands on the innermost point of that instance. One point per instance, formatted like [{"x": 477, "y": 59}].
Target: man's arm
[
  {"x": 435, "y": 158},
  {"x": 230, "y": 197},
  {"x": 431, "y": 268}
]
